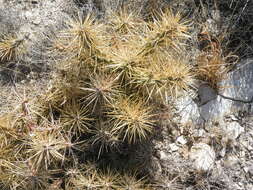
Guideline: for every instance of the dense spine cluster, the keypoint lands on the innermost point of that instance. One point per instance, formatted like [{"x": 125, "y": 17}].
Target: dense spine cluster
[{"x": 111, "y": 79}]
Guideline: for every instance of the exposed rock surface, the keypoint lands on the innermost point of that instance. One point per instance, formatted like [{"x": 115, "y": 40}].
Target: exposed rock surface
[
  {"x": 226, "y": 115},
  {"x": 203, "y": 156},
  {"x": 236, "y": 96}
]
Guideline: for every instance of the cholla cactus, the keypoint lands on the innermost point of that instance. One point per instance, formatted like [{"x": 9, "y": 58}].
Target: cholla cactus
[
  {"x": 131, "y": 182},
  {"x": 46, "y": 148},
  {"x": 167, "y": 30},
  {"x": 133, "y": 120},
  {"x": 126, "y": 22},
  {"x": 101, "y": 89},
  {"x": 124, "y": 60},
  {"x": 82, "y": 180},
  {"x": 104, "y": 137},
  {"x": 12, "y": 47},
  {"x": 164, "y": 77},
  {"x": 74, "y": 118},
  {"x": 82, "y": 37},
  {"x": 21, "y": 175},
  {"x": 111, "y": 77},
  {"x": 108, "y": 180}
]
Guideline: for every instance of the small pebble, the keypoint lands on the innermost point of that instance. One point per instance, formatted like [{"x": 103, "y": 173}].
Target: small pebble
[
  {"x": 181, "y": 140},
  {"x": 173, "y": 147}
]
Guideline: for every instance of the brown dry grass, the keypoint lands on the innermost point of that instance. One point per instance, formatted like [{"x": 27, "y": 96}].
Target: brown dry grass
[{"x": 212, "y": 65}]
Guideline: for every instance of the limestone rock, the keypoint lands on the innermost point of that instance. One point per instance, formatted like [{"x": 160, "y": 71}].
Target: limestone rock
[
  {"x": 233, "y": 130},
  {"x": 188, "y": 110},
  {"x": 181, "y": 140},
  {"x": 173, "y": 147},
  {"x": 250, "y": 169},
  {"x": 203, "y": 156},
  {"x": 239, "y": 84},
  {"x": 206, "y": 94},
  {"x": 236, "y": 96}
]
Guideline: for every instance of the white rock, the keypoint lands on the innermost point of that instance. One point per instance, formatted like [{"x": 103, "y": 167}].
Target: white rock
[
  {"x": 199, "y": 132},
  {"x": 173, "y": 147},
  {"x": 246, "y": 169},
  {"x": 223, "y": 152},
  {"x": 231, "y": 161},
  {"x": 163, "y": 155},
  {"x": 203, "y": 156},
  {"x": 250, "y": 169},
  {"x": 187, "y": 110},
  {"x": 249, "y": 186},
  {"x": 181, "y": 140},
  {"x": 240, "y": 87},
  {"x": 233, "y": 130},
  {"x": 246, "y": 144},
  {"x": 233, "y": 118},
  {"x": 36, "y": 21},
  {"x": 32, "y": 81}
]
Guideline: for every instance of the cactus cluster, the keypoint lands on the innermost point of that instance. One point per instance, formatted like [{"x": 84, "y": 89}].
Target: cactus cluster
[
  {"x": 111, "y": 78},
  {"x": 11, "y": 47}
]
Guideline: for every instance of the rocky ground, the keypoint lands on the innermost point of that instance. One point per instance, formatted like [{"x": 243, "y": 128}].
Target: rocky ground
[{"x": 211, "y": 132}]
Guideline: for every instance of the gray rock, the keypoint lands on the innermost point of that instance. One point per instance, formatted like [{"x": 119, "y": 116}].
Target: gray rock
[
  {"x": 188, "y": 110},
  {"x": 203, "y": 156},
  {"x": 199, "y": 133},
  {"x": 250, "y": 169},
  {"x": 231, "y": 161},
  {"x": 239, "y": 84},
  {"x": 236, "y": 96},
  {"x": 205, "y": 94},
  {"x": 215, "y": 109},
  {"x": 233, "y": 130}
]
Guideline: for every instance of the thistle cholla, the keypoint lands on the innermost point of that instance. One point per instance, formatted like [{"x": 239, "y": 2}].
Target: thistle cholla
[{"x": 111, "y": 78}]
